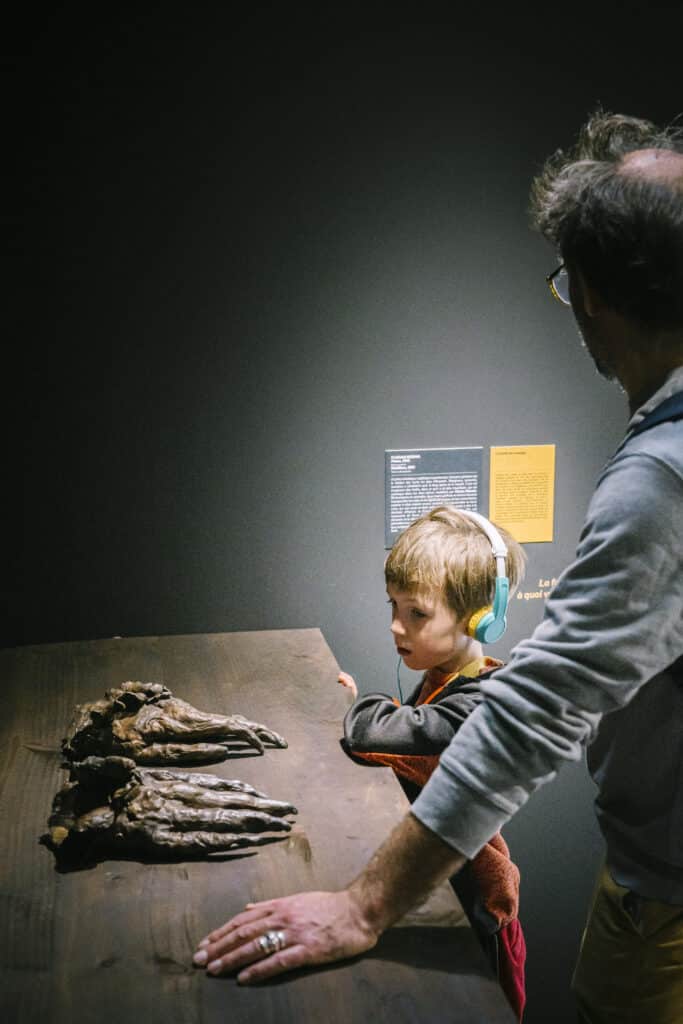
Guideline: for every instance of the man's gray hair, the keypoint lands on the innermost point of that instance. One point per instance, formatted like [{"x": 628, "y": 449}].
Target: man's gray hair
[{"x": 624, "y": 231}]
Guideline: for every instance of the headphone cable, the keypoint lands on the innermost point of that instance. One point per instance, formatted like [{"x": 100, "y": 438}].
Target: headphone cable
[{"x": 398, "y": 678}]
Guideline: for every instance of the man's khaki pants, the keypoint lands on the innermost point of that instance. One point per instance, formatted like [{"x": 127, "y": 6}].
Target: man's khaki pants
[{"x": 630, "y": 968}]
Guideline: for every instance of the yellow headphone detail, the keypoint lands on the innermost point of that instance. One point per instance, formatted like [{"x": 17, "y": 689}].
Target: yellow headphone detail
[{"x": 476, "y": 619}]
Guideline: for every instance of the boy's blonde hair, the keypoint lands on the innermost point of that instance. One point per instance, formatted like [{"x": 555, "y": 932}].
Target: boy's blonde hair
[{"x": 446, "y": 551}]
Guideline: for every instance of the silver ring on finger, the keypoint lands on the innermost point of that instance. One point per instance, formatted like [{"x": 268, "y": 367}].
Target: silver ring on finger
[{"x": 271, "y": 942}]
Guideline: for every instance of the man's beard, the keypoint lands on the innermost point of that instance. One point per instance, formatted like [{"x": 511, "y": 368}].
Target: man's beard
[{"x": 600, "y": 366}]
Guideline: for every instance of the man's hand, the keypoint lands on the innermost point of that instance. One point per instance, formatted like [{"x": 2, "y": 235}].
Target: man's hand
[
  {"x": 349, "y": 683},
  {"x": 318, "y": 927},
  {"x": 309, "y": 928}
]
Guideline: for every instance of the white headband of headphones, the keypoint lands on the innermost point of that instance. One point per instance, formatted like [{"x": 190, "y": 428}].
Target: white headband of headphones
[{"x": 497, "y": 543}]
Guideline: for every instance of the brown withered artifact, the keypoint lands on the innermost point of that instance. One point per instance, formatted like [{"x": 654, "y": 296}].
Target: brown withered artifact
[
  {"x": 145, "y": 722},
  {"x": 111, "y": 807}
]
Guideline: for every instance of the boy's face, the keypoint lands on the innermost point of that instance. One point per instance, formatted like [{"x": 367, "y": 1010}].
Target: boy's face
[{"x": 426, "y": 631}]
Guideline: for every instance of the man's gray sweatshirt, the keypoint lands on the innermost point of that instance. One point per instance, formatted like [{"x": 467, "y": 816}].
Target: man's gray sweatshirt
[{"x": 600, "y": 667}]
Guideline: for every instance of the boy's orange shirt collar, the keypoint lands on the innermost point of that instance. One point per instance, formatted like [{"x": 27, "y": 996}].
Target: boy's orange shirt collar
[{"x": 434, "y": 681}]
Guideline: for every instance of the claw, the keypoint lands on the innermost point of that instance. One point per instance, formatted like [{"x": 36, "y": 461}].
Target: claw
[
  {"x": 144, "y": 721},
  {"x": 124, "y": 809}
]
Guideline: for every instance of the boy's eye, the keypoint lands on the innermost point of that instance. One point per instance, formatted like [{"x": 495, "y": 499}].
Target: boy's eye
[{"x": 417, "y": 614}]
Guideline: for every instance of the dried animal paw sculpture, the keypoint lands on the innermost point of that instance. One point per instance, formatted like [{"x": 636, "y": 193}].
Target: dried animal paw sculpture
[
  {"x": 145, "y": 722},
  {"x": 110, "y": 807}
]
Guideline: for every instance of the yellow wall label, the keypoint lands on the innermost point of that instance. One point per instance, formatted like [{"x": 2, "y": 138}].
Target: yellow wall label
[{"x": 522, "y": 491}]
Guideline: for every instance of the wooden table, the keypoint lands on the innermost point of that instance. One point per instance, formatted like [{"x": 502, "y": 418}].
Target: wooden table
[{"x": 114, "y": 943}]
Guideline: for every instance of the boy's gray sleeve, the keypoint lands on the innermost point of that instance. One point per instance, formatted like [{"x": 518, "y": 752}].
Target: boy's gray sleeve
[
  {"x": 613, "y": 621},
  {"x": 375, "y": 724}
]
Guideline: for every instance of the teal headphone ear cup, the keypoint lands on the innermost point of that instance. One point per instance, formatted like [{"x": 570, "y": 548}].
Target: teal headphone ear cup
[
  {"x": 493, "y": 623},
  {"x": 489, "y": 628}
]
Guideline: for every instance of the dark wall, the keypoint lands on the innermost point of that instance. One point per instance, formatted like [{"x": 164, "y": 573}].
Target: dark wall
[{"x": 249, "y": 255}]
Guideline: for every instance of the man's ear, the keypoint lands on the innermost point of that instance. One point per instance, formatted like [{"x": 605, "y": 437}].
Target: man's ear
[{"x": 590, "y": 300}]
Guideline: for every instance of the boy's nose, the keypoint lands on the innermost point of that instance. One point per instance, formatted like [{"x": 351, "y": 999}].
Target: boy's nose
[{"x": 397, "y": 628}]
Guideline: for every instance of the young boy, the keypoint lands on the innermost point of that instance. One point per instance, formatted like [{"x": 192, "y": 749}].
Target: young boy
[{"x": 443, "y": 575}]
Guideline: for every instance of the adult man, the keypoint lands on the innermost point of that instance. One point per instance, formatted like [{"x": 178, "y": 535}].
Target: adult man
[{"x": 601, "y": 663}]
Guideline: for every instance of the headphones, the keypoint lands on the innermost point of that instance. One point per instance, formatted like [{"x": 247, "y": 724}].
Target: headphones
[{"x": 488, "y": 624}]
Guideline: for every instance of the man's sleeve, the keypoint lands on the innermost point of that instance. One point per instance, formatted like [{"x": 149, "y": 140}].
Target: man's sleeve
[{"x": 613, "y": 621}]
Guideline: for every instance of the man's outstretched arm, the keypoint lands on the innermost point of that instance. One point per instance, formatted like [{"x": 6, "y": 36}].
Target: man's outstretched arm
[{"x": 320, "y": 927}]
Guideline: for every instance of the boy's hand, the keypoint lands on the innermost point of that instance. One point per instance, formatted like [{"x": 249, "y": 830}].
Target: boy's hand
[{"x": 349, "y": 683}]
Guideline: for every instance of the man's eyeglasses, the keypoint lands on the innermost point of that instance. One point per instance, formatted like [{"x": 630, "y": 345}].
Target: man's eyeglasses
[{"x": 558, "y": 282}]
